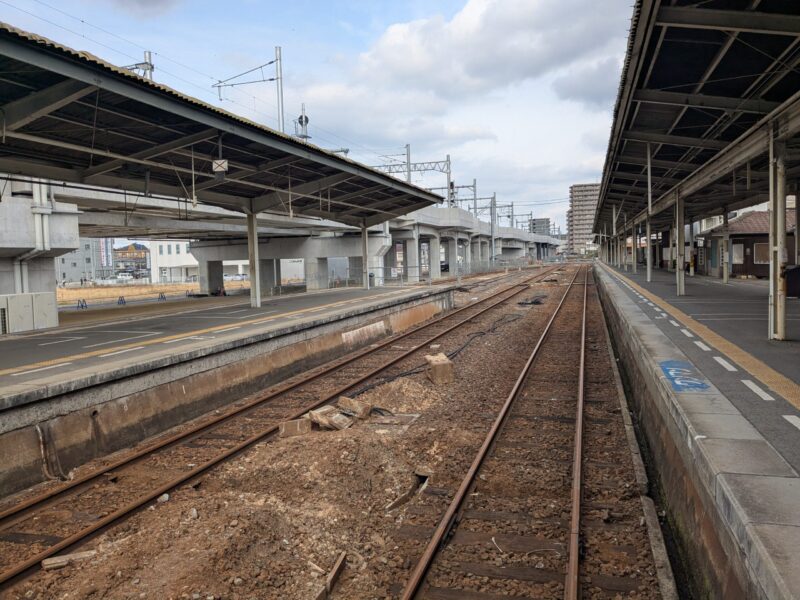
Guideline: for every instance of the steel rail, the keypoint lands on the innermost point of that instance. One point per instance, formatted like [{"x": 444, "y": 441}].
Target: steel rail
[
  {"x": 426, "y": 560},
  {"x": 571, "y": 584},
  {"x": 104, "y": 522}
]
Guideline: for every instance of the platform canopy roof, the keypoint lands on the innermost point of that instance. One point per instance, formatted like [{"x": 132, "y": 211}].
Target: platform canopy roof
[
  {"x": 67, "y": 115},
  {"x": 705, "y": 86}
]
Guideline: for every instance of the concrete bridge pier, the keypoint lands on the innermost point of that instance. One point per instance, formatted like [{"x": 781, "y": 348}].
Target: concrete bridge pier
[
  {"x": 209, "y": 274},
  {"x": 316, "y": 272}
]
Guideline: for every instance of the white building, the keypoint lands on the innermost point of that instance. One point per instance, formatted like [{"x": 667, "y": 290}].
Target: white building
[{"x": 172, "y": 262}]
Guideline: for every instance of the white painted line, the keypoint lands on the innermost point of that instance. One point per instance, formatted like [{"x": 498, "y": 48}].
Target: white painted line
[
  {"x": 687, "y": 333},
  {"x": 69, "y": 339},
  {"x": 758, "y": 391},
  {"x": 663, "y": 314},
  {"x": 793, "y": 420},
  {"x": 133, "y": 337},
  {"x": 728, "y": 366},
  {"x": 40, "y": 369},
  {"x": 702, "y": 347},
  {"x": 228, "y": 329},
  {"x": 675, "y": 323},
  {"x": 121, "y": 351},
  {"x": 233, "y": 312}
]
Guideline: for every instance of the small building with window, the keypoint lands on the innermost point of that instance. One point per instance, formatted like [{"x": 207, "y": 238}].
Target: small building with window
[{"x": 748, "y": 245}]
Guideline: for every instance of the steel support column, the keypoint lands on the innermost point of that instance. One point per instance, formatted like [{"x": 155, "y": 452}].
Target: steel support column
[
  {"x": 691, "y": 247},
  {"x": 365, "y": 255},
  {"x": 680, "y": 244},
  {"x": 252, "y": 255},
  {"x": 725, "y": 243},
  {"x": 649, "y": 251},
  {"x": 777, "y": 240},
  {"x": 635, "y": 247}
]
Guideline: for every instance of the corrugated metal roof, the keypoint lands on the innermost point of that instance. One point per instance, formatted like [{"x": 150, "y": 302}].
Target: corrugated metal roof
[{"x": 755, "y": 222}]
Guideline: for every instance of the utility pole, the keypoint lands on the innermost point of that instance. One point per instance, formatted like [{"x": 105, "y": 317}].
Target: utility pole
[
  {"x": 279, "y": 82},
  {"x": 449, "y": 182},
  {"x": 260, "y": 78},
  {"x": 493, "y": 211},
  {"x": 475, "y": 196},
  {"x": 146, "y": 66}
]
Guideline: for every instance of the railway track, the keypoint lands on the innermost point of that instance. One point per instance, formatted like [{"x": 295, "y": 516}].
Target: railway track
[
  {"x": 60, "y": 518},
  {"x": 549, "y": 507}
]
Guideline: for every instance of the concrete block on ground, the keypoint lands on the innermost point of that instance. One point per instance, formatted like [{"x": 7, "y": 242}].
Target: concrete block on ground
[
  {"x": 440, "y": 369},
  {"x": 58, "y": 562},
  {"x": 293, "y": 428},
  {"x": 359, "y": 408}
]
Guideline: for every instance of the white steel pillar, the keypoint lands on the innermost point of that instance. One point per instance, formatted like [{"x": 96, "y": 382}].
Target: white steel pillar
[
  {"x": 623, "y": 250},
  {"x": 649, "y": 251},
  {"x": 691, "y": 248},
  {"x": 777, "y": 240},
  {"x": 725, "y": 244},
  {"x": 680, "y": 244},
  {"x": 365, "y": 255},
  {"x": 252, "y": 255},
  {"x": 635, "y": 253}
]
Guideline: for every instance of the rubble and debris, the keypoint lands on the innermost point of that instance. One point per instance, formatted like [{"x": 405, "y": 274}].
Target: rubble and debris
[
  {"x": 329, "y": 417},
  {"x": 355, "y": 407}
]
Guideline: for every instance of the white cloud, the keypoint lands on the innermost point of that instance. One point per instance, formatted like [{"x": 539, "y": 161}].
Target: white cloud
[
  {"x": 593, "y": 84},
  {"x": 491, "y": 44}
]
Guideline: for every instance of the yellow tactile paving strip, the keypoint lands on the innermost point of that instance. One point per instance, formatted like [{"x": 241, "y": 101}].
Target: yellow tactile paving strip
[
  {"x": 161, "y": 340},
  {"x": 760, "y": 370}
]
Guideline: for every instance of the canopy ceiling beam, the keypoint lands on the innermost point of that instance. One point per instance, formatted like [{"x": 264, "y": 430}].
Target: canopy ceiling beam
[
  {"x": 752, "y": 105},
  {"x": 673, "y": 140},
  {"x": 729, "y": 20},
  {"x": 25, "y": 110}
]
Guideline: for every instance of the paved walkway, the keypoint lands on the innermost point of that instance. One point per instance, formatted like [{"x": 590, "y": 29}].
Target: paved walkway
[
  {"x": 25, "y": 358},
  {"x": 722, "y": 328}
]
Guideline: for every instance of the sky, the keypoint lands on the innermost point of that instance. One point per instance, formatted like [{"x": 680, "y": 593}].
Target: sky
[{"x": 519, "y": 93}]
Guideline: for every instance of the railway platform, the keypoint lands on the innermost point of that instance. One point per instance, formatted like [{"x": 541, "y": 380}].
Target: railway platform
[{"x": 718, "y": 405}]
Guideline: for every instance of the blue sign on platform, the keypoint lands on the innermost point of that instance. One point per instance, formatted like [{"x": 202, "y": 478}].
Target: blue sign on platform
[{"x": 683, "y": 376}]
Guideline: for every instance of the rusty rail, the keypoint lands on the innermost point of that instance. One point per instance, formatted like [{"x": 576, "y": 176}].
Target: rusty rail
[
  {"x": 420, "y": 571},
  {"x": 571, "y": 584},
  {"x": 7, "y": 518}
]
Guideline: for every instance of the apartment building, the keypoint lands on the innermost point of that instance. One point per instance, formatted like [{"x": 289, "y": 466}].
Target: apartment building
[{"x": 580, "y": 217}]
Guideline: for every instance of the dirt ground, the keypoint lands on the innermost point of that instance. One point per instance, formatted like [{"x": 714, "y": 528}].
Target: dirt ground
[
  {"x": 131, "y": 292},
  {"x": 271, "y": 523}
]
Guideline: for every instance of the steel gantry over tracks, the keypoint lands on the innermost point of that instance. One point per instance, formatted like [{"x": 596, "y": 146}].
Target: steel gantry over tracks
[
  {"x": 706, "y": 122},
  {"x": 68, "y": 116}
]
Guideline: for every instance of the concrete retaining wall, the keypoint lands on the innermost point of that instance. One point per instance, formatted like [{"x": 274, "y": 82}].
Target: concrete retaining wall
[
  {"x": 48, "y": 437},
  {"x": 706, "y": 457}
]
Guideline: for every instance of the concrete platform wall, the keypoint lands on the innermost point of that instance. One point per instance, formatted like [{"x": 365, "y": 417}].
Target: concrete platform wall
[
  {"x": 47, "y": 438},
  {"x": 704, "y": 453}
]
